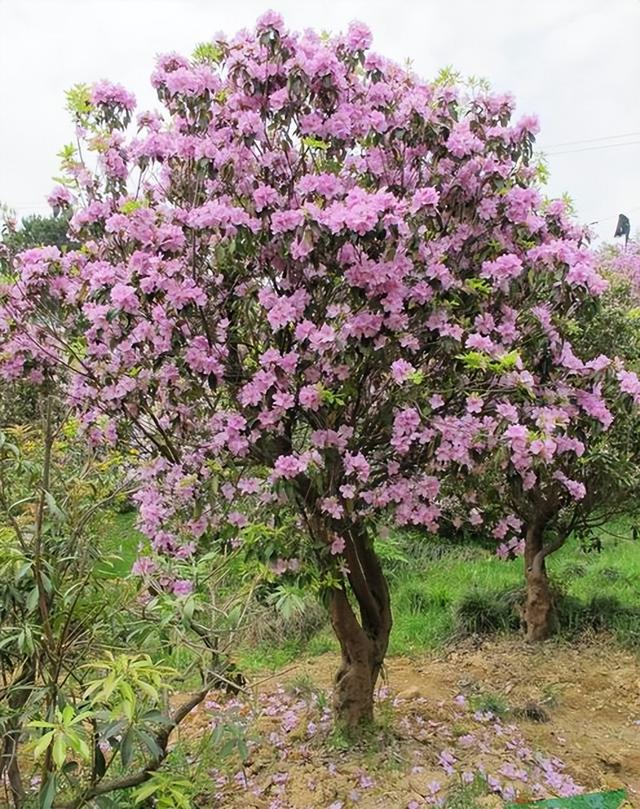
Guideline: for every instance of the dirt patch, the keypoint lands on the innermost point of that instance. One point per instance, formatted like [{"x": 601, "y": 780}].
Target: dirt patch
[{"x": 531, "y": 721}]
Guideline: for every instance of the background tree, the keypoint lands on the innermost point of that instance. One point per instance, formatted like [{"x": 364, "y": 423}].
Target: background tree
[
  {"x": 18, "y": 402},
  {"x": 572, "y": 461}
]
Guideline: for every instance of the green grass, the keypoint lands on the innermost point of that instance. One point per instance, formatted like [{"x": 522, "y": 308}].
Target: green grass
[
  {"x": 268, "y": 658},
  {"x": 120, "y": 540},
  {"x": 438, "y": 597},
  {"x": 597, "y": 590},
  {"x": 445, "y": 593},
  {"x": 425, "y": 602}
]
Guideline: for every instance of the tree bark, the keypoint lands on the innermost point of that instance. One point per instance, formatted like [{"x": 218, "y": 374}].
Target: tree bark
[
  {"x": 11, "y": 733},
  {"x": 363, "y": 643},
  {"x": 539, "y": 613}
]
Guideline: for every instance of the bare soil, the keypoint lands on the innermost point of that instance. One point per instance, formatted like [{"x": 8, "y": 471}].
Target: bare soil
[{"x": 574, "y": 704}]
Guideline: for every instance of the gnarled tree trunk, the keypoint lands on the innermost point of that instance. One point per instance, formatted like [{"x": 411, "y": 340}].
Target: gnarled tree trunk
[
  {"x": 363, "y": 642},
  {"x": 539, "y": 614}
]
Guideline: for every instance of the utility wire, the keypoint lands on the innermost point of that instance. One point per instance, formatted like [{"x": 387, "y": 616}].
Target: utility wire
[
  {"x": 591, "y": 140},
  {"x": 615, "y": 216},
  {"x": 593, "y": 148}
]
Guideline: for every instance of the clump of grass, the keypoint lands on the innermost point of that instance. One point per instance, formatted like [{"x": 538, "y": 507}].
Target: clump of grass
[
  {"x": 612, "y": 574},
  {"x": 269, "y": 624},
  {"x": 321, "y": 643},
  {"x": 368, "y": 738},
  {"x": 486, "y": 613},
  {"x": 491, "y": 703},
  {"x": 414, "y": 596},
  {"x": 597, "y": 613},
  {"x": 550, "y": 695},
  {"x": 466, "y": 796},
  {"x": 573, "y": 570},
  {"x": 302, "y": 685}
]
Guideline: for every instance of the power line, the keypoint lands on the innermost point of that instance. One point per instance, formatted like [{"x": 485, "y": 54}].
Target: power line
[
  {"x": 615, "y": 216},
  {"x": 591, "y": 140},
  {"x": 593, "y": 148}
]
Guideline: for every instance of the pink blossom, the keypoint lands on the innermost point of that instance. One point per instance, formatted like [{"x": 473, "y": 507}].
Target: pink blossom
[
  {"x": 629, "y": 382},
  {"x": 124, "y": 297},
  {"x": 401, "y": 370},
  {"x": 357, "y": 464},
  {"x": 104, "y": 92},
  {"x": 358, "y": 37},
  {"x": 289, "y": 466},
  {"x": 144, "y": 566},
  {"x": 309, "y": 397},
  {"x": 337, "y": 546},
  {"x": 182, "y": 588},
  {"x": 60, "y": 197}
]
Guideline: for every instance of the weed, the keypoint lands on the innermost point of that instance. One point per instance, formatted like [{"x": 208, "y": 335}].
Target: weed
[
  {"x": 490, "y": 703},
  {"x": 302, "y": 685},
  {"x": 466, "y": 796},
  {"x": 484, "y": 613}
]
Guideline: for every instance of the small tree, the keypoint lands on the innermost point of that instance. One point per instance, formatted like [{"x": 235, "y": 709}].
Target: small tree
[
  {"x": 302, "y": 290},
  {"x": 18, "y": 402},
  {"x": 572, "y": 456},
  {"x": 95, "y": 719}
]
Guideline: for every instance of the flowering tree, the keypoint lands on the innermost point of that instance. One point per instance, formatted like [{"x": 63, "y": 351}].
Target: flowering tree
[
  {"x": 569, "y": 459},
  {"x": 621, "y": 264},
  {"x": 302, "y": 289},
  {"x": 572, "y": 465}
]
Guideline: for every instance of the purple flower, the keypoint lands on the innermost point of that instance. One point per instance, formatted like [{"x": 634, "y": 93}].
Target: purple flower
[
  {"x": 337, "y": 546},
  {"x": 182, "y": 587},
  {"x": 105, "y": 93}
]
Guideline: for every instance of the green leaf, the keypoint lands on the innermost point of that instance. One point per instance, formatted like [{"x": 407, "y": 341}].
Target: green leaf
[
  {"x": 48, "y": 792},
  {"x": 59, "y": 750},
  {"x": 474, "y": 360},
  {"x": 479, "y": 285},
  {"x": 207, "y": 52},
  {"x": 146, "y": 790},
  {"x": 126, "y": 748},
  {"x": 100, "y": 762},
  {"x": 132, "y": 205},
  {"x": 315, "y": 143},
  {"x": 54, "y": 510},
  {"x": 104, "y": 802},
  {"x": 32, "y": 600},
  {"x": 597, "y": 800},
  {"x": 150, "y": 743},
  {"x": 156, "y": 716},
  {"x": 43, "y": 743}
]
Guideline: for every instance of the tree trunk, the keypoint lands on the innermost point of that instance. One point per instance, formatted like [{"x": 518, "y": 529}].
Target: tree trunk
[
  {"x": 11, "y": 733},
  {"x": 539, "y": 613},
  {"x": 363, "y": 643}
]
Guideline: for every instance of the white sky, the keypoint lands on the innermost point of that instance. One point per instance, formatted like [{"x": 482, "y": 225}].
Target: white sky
[{"x": 575, "y": 63}]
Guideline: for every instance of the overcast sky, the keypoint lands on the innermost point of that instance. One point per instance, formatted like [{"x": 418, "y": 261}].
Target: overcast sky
[{"x": 575, "y": 63}]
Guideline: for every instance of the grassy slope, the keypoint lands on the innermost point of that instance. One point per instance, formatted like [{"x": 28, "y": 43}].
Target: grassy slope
[
  {"x": 436, "y": 598},
  {"x": 427, "y": 604}
]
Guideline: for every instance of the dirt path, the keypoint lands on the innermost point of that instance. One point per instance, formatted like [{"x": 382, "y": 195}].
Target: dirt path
[{"x": 436, "y": 728}]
